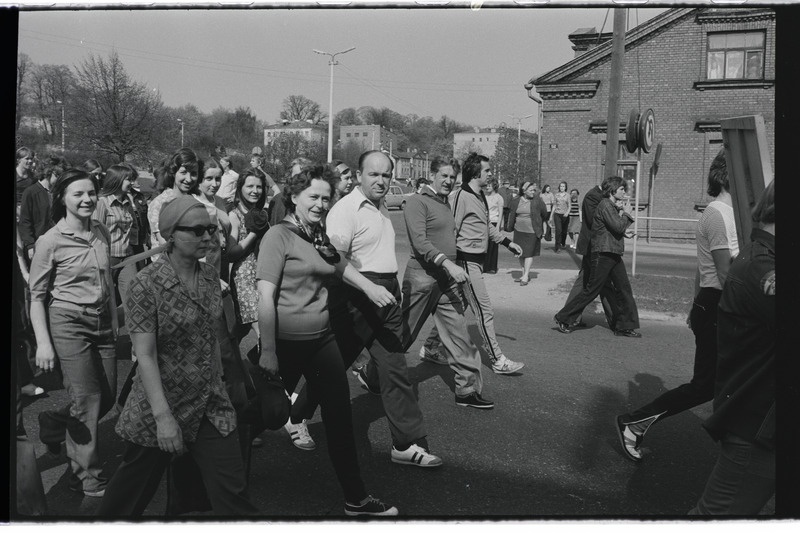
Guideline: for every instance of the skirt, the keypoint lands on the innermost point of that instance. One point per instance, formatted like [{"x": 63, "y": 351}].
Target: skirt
[
  {"x": 574, "y": 224},
  {"x": 531, "y": 244}
]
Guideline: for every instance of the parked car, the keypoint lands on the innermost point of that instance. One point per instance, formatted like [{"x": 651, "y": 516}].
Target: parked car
[{"x": 396, "y": 197}]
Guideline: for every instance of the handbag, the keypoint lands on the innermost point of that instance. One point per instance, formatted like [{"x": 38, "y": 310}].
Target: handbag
[{"x": 268, "y": 405}]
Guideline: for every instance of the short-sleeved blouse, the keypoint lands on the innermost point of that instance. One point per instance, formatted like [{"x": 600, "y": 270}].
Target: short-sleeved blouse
[
  {"x": 184, "y": 322},
  {"x": 561, "y": 205}
]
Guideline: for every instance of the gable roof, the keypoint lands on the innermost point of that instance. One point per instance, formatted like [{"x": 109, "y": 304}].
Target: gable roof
[{"x": 602, "y": 52}]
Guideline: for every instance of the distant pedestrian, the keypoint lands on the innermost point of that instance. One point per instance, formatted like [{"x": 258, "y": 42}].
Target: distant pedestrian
[
  {"x": 574, "y": 226},
  {"x": 611, "y": 220},
  {"x": 95, "y": 169},
  {"x": 24, "y": 159},
  {"x": 496, "y": 207},
  {"x": 717, "y": 245},
  {"x": 344, "y": 180},
  {"x": 35, "y": 211},
  {"x": 560, "y": 216},
  {"x": 548, "y": 199},
  {"x": 227, "y": 188},
  {"x": 505, "y": 193},
  {"x": 526, "y": 220},
  {"x": 743, "y": 421},
  {"x": 256, "y": 163}
]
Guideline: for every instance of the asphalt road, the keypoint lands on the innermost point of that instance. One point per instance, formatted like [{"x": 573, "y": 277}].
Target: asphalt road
[{"x": 547, "y": 450}]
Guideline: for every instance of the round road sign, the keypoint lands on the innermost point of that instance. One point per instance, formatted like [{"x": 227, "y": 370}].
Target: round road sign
[
  {"x": 631, "y": 131},
  {"x": 647, "y": 131}
]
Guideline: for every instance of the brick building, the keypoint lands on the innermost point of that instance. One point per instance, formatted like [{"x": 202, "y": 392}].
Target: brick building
[{"x": 693, "y": 67}]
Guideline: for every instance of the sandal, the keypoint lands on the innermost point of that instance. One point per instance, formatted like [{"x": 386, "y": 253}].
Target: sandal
[{"x": 523, "y": 282}]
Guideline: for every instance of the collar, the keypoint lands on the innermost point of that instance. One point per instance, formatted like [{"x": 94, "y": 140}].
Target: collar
[
  {"x": 764, "y": 237},
  {"x": 113, "y": 199},
  {"x": 360, "y": 198},
  {"x": 171, "y": 279},
  {"x": 427, "y": 190},
  {"x": 64, "y": 228},
  {"x": 466, "y": 188}
]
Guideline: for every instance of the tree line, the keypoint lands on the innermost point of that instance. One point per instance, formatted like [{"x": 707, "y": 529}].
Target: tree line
[{"x": 113, "y": 117}]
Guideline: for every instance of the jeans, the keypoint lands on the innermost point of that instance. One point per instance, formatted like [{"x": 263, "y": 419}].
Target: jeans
[
  {"x": 357, "y": 323},
  {"x": 605, "y": 266},
  {"x": 478, "y": 298},
  {"x": 700, "y": 389},
  {"x": 424, "y": 295},
  {"x": 561, "y": 222},
  {"x": 220, "y": 462},
  {"x": 85, "y": 348},
  {"x": 742, "y": 482},
  {"x": 320, "y": 362},
  {"x": 122, "y": 278}
]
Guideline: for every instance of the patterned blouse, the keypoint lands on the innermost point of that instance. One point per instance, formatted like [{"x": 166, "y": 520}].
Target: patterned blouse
[{"x": 185, "y": 324}]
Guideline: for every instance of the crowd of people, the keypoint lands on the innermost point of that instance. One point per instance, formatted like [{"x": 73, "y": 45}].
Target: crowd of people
[{"x": 313, "y": 276}]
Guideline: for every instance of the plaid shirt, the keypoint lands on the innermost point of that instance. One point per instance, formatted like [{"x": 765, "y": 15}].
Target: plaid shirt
[
  {"x": 184, "y": 322},
  {"x": 122, "y": 223}
]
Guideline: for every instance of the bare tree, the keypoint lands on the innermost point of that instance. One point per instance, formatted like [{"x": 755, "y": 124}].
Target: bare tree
[
  {"x": 298, "y": 107},
  {"x": 48, "y": 85},
  {"x": 112, "y": 112},
  {"x": 23, "y": 70}
]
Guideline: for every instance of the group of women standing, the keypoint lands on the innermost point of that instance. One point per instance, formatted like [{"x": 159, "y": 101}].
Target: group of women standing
[{"x": 180, "y": 400}]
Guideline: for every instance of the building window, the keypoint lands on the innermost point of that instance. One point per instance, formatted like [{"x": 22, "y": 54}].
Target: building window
[
  {"x": 348, "y": 135},
  {"x": 736, "y": 55},
  {"x": 356, "y": 134}
]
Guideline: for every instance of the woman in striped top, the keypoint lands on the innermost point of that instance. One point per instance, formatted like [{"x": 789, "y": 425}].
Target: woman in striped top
[{"x": 575, "y": 218}]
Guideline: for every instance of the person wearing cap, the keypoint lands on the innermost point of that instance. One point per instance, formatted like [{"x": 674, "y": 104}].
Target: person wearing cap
[
  {"x": 178, "y": 403},
  {"x": 73, "y": 314},
  {"x": 526, "y": 218}
]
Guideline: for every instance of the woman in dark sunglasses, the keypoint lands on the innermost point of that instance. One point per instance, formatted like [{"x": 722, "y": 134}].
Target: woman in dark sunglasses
[
  {"x": 178, "y": 402},
  {"x": 294, "y": 263}
]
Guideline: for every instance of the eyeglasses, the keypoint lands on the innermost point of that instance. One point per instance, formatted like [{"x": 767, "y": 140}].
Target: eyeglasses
[{"x": 198, "y": 230}]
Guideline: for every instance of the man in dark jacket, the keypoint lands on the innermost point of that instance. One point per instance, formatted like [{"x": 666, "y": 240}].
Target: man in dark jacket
[
  {"x": 743, "y": 480},
  {"x": 34, "y": 213},
  {"x": 583, "y": 247}
]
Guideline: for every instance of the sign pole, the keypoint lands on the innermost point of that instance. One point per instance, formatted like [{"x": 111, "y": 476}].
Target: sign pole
[{"x": 636, "y": 212}]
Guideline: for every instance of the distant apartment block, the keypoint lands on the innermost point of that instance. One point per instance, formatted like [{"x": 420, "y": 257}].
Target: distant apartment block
[
  {"x": 369, "y": 137},
  {"x": 307, "y": 130}
]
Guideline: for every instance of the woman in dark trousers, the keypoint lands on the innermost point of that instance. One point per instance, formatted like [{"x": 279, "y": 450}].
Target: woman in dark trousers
[
  {"x": 178, "y": 403},
  {"x": 611, "y": 219},
  {"x": 559, "y": 216},
  {"x": 294, "y": 262}
]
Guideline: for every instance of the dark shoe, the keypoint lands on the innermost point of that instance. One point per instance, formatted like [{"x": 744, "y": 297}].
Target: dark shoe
[
  {"x": 563, "y": 327},
  {"x": 580, "y": 324},
  {"x": 362, "y": 378},
  {"x": 372, "y": 507},
  {"x": 558, "y": 251},
  {"x": 475, "y": 400},
  {"x": 629, "y": 440},
  {"x": 627, "y": 333}
]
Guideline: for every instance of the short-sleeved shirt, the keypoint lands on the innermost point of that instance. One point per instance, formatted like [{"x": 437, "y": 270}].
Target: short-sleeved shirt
[
  {"x": 716, "y": 230},
  {"x": 185, "y": 324},
  {"x": 154, "y": 210},
  {"x": 227, "y": 188},
  {"x": 561, "y": 203},
  {"x": 496, "y": 205},
  {"x": 295, "y": 267},
  {"x": 363, "y": 233},
  {"x": 70, "y": 269},
  {"x": 122, "y": 223}
]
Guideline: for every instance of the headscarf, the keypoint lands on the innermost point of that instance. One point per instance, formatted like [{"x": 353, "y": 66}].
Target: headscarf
[{"x": 173, "y": 212}]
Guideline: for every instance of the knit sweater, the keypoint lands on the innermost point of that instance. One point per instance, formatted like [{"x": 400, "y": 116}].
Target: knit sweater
[{"x": 431, "y": 229}]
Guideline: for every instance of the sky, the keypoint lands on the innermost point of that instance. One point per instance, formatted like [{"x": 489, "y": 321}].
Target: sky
[{"x": 468, "y": 64}]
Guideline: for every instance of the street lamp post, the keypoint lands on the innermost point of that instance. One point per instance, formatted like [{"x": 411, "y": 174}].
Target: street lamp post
[
  {"x": 181, "y": 122},
  {"x": 332, "y": 62},
  {"x": 530, "y": 87},
  {"x": 63, "y": 124},
  {"x": 427, "y": 168},
  {"x": 519, "y": 135}
]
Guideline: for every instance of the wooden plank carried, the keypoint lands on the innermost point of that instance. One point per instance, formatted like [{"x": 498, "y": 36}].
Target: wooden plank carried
[{"x": 749, "y": 168}]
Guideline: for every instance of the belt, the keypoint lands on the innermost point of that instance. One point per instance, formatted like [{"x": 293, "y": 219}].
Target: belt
[
  {"x": 93, "y": 310},
  {"x": 379, "y": 275}
]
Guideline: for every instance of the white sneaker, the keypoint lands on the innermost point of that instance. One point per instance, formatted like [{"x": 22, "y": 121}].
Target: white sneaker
[
  {"x": 415, "y": 455},
  {"x": 506, "y": 366},
  {"x": 300, "y": 436},
  {"x": 431, "y": 357}
]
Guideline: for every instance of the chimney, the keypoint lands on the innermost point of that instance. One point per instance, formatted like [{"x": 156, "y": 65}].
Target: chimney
[{"x": 584, "y": 39}]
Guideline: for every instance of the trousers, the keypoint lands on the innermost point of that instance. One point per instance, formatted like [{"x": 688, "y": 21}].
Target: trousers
[
  {"x": 426, "y": 294},
  {"x": 703, "y": 319},
  {"x": 605, "y": 266},
  {"x": 85, "y": 347},
  {"x": 357, "y": 323},
  {"x": 220, "y": 461},
  {"x": 478, "y": 298},
  {"x": 742, "y": 482},
  {"x": 608, "y": 296}
]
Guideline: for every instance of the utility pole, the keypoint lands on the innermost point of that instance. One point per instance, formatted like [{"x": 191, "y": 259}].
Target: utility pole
[
  {"x": 63, "y": 124},
  {"x": 519, "y": 135},
  {"x": 332, "y": 62},
  {"x": 530, "y": 87},
  {"x": 615, "y": 92}
]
